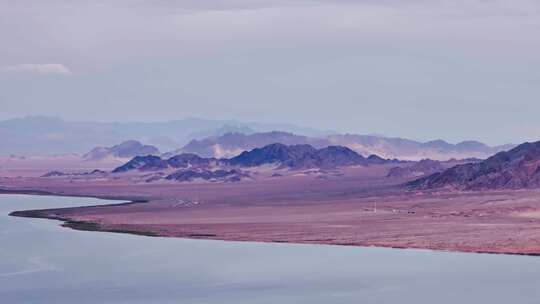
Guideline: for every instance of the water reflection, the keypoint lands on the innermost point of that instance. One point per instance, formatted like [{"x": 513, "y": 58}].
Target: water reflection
[{"x": 41, "y": 262}]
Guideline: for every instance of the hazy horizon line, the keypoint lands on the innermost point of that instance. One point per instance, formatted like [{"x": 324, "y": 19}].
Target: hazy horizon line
[{"x": 240, "y": 122}]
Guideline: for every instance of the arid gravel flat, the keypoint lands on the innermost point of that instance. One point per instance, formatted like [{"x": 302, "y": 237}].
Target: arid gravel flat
[{"x": 357, "y": 207}]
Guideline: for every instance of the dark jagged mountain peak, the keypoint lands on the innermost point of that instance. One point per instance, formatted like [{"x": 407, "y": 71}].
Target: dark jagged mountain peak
[
  {"x": 300, "y": 156},
  {"x": 514, "y": 169},
  {"x": 143, "y": 163},
  {"x": 154, "y": 163},
  {"x": 273, "y": 153},
  {"x": 338, "y": 156}
]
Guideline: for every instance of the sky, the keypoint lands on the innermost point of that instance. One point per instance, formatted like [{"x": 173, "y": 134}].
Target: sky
[{"x": 422, "y": 69}]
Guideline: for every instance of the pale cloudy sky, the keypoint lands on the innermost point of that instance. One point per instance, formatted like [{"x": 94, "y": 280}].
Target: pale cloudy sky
[{"x": 423, "y": 69}]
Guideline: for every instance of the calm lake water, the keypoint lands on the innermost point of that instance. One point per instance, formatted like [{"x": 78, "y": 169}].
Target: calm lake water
[{"x": 41, "y": 262}]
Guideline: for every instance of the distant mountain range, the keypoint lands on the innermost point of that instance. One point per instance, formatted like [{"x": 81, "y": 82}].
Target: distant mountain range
[
  {"x": 212, "y": 138},
  {"x": 514, "y": 169},
  {"x": 406, "y": 149},
  {"x": 231, "y": 144},
  {"x": 127, "y": 149},
  {"x": 41, "y": 135},
  {"x": 283, "y": 156}
]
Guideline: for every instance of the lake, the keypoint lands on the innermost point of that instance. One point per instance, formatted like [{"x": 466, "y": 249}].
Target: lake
[{"x": 41, "y": 262}]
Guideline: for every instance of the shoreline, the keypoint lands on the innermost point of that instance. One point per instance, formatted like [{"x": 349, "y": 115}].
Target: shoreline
[
  {"x": 83, "y": 225},
  {"x": 129, "y": 199}
]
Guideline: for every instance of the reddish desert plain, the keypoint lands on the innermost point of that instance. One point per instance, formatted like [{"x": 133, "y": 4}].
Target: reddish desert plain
[{"x": 357, "y": 206}]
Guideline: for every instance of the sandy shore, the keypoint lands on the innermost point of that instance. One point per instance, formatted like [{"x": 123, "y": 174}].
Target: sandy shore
[{"x": 351, "y": 210}]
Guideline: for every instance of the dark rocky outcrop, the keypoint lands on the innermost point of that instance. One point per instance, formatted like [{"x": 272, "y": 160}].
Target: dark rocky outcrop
[
  {"x": 54, "y": 174},
  {"x": 60, "y": 173},
  {"x": 233, "y": 175}
]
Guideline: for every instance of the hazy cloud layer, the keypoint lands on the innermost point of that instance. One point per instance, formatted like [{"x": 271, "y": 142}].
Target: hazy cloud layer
[
  {"x": 455, "y": 69},
  {"x": 46, "y": 68}
]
